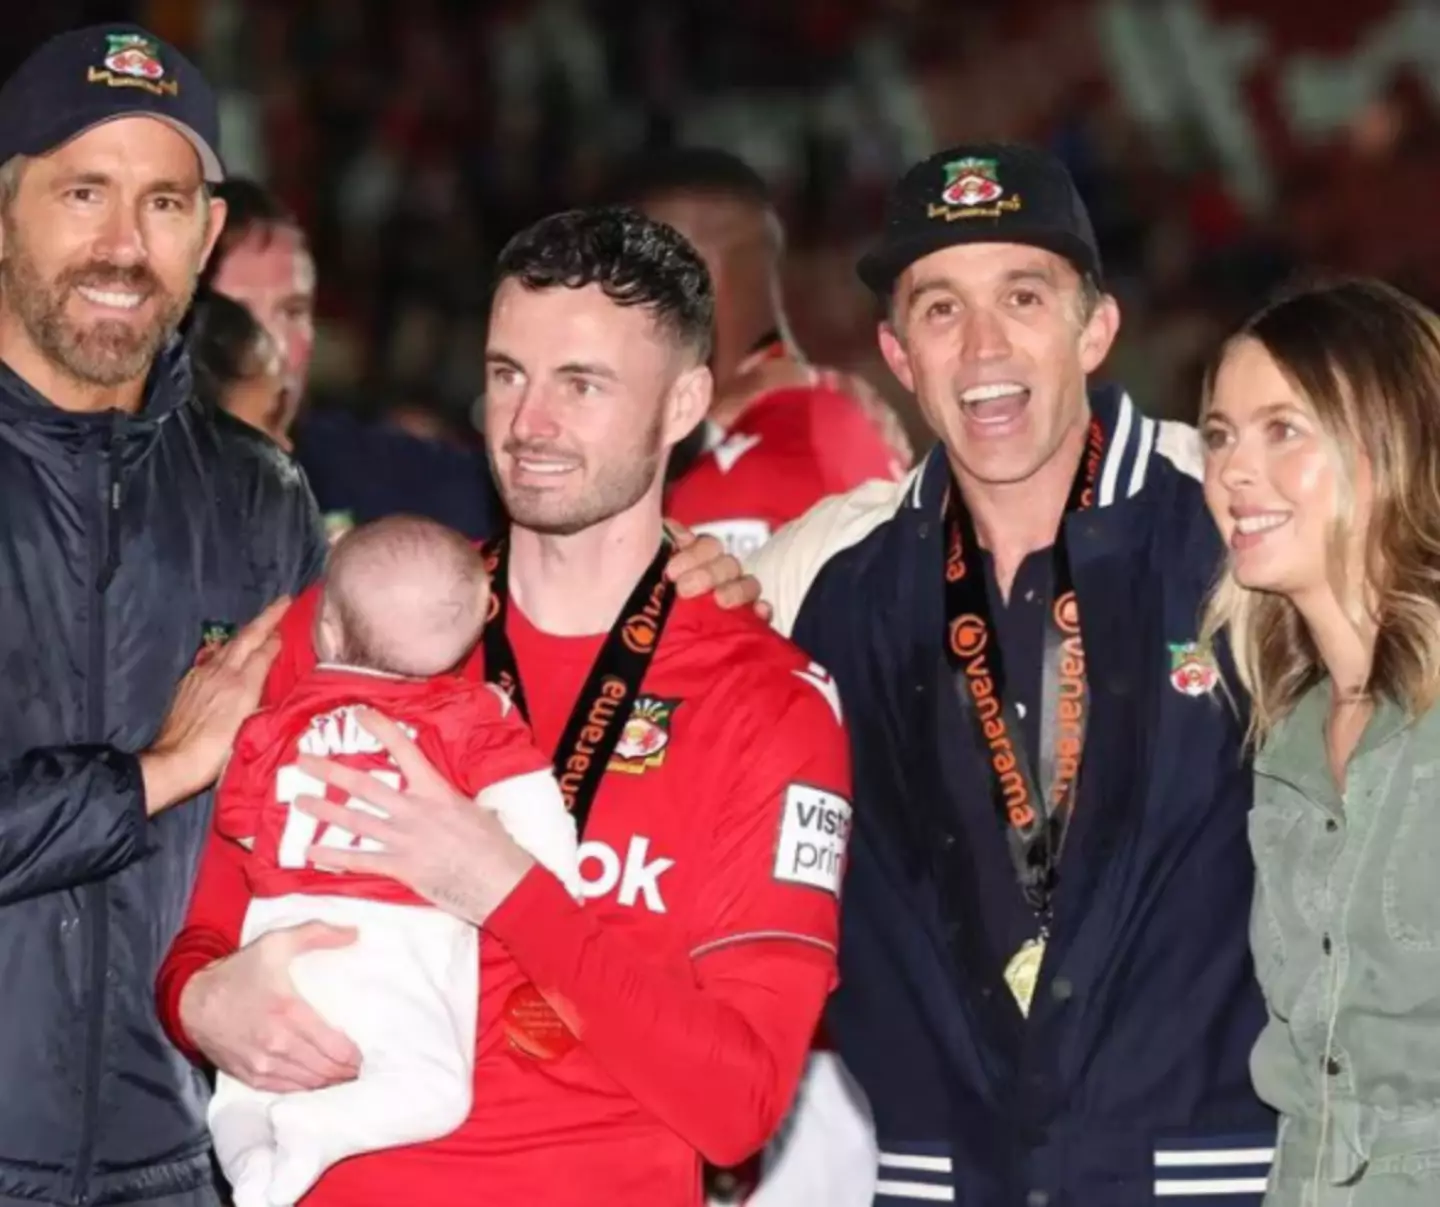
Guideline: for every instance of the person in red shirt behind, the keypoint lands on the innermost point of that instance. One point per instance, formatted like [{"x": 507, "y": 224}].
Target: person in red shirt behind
[
  {"x": 402, "y": 606},
  {"x": 781, "y": 435},
  {"x": 665, "y": 1021}
]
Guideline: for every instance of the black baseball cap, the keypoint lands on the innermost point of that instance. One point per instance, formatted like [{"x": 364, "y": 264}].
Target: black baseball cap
[
  {"x": 982, "y": 193},
  {"x": 83, "y": 78}
]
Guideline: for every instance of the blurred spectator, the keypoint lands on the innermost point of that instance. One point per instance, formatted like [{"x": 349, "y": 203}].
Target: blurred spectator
[
  {"x": 358, "y": 470},
  {"x": 263, "y": 262},
  {"x": 238, "y": 367},
  {"x": 779, "y": 436},
  {"x": 411, "y": 139}
]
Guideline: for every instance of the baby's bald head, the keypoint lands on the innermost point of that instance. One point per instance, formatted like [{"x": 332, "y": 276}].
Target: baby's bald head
[{"x": 403, "y": 595}]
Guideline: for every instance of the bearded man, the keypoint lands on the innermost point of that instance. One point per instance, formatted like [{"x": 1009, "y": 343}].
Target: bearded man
[{"x": 137, "y": 532}]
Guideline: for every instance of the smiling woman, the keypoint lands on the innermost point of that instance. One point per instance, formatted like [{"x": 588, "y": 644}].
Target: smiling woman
[
  {"x": 1321, "y": 425},
  {"x": 1323, "y": 474}
]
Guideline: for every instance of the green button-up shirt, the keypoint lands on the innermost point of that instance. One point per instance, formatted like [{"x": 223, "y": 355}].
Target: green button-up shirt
[{"x": 1346, "y": 935}]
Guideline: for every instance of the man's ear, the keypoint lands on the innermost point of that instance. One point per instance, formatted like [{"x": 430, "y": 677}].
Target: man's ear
[
  {"x": 892, "y": 348},
  {"x": 215, "y": 213},
  {"x": 329, "y": 636},
  {"x": 1099, "y": 334},
  {"x": 688, "y": 403}
]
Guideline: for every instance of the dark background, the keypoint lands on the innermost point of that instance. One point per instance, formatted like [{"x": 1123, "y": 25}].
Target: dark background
[{"x": 1221, "y": 144}]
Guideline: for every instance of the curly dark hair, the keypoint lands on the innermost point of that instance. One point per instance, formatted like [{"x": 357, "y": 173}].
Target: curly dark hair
[{"x": 635, "y": 260}]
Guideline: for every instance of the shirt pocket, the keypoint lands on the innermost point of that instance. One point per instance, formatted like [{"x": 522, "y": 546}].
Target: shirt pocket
[
  {"x": 1273, "y": 827},
  {"x": 1409, "y": 899}
]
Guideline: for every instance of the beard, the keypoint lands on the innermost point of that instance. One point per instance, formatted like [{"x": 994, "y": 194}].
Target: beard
[
  {"x": 617, "y": 485},
  {"x": 107, "y": 352}
]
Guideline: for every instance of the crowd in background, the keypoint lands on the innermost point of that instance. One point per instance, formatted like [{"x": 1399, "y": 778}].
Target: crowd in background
[
  {"x": 413, "y": 138},
  {"x": 1218, "y": 143}
]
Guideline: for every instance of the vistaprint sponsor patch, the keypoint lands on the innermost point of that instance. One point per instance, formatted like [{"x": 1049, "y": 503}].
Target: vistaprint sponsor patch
[{"x": 814, "y": 833}]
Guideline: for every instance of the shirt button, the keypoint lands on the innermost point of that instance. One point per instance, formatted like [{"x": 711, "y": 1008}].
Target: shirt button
[
  {"x": 1020, "y": 709},
  {"x": 1325, "y": 945},
  {"x": 1062, "y": 989},
  {"x": 1331, "y": 826},
  {"x": 1332, "y": 1067},
  {"x": 1037, "y": 1198}
]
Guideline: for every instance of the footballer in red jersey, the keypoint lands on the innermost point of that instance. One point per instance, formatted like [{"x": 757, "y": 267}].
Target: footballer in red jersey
[
  {"x": 790, "y": 446},
  {"x": 664, "y": 1020},
  {"x": 781, "y": 435}
]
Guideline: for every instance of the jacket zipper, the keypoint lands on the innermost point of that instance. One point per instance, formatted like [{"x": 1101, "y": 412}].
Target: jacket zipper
[{"x": 104, "y": 558}]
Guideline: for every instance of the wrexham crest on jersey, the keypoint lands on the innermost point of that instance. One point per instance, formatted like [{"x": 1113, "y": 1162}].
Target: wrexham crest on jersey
[
  {"x": 133, "y": 61},
  {"x": 1193, "y": 671},
  {"x": 646, "y": 736}
]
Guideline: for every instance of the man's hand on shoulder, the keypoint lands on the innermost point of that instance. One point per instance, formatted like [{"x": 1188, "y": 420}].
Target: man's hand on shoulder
[
  {"x": 206, "y": 713},
  {"x": 701, "y": 566}
]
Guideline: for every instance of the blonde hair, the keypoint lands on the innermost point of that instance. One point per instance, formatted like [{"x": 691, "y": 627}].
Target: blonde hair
[{"x": 1366, "y": 358}]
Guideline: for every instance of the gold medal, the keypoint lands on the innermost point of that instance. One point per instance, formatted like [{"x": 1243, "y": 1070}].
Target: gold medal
[
  {"x": 532, "y": 1026},
  {"x": 1022, "y": 974}
]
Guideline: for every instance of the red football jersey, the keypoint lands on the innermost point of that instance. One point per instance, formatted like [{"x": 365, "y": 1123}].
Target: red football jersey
[
  {"x": 715, "y": 845},
  {"x": 470, "y": 732},
  {"x": 788, "y": 450}
]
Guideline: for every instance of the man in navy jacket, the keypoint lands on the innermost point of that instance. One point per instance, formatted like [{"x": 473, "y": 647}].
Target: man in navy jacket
[
  {"x": 137, "y": 532},
  {"x": 1047, "y": 992}
]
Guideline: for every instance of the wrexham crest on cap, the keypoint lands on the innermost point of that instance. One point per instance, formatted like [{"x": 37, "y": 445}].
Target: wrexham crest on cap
[
  {"x": 133, "y": 61},
  {"x": 971, "y": 182}
]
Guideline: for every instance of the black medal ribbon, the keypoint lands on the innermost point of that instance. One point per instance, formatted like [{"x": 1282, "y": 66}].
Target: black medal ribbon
[
  {"x": 1036, "y": 822},
  {"x": 603, "y": 707}
]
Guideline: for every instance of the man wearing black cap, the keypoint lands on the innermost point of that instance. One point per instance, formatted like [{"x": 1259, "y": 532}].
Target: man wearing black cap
[
  {"x": 137, "y": 533},
  {"x": 1046, "y": 990}
]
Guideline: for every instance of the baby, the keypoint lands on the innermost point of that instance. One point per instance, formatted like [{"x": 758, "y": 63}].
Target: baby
[{"x": 404, "y": 602}]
